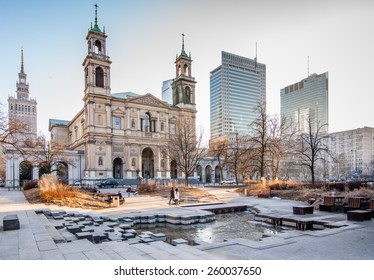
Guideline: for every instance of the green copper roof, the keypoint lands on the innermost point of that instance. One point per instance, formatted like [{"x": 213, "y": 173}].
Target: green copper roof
[{"x": 58, "y": 122}]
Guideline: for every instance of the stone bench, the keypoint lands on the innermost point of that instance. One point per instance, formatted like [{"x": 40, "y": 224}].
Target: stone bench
[
  {"x": 302, "y": 210},
  {"x": 10, "y": 222},
  {"x": 359, "y": 215}
]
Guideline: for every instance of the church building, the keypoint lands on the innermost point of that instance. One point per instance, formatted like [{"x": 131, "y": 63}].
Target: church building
[{"x": 124, "y": 135}]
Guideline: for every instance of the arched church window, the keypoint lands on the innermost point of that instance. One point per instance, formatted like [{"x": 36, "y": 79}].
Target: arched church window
[
  {"x": 97, "y": 47},
  {"x": 179, "y": 70},
  {"x": 99, "y": 75},
  {"x": 147, "y": 122},
  {"x": 187, "y": 93}
]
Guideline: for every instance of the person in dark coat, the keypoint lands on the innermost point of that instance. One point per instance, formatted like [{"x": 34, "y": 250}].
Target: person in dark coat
[
  {"x": 128, "y": 191},
  {"x": 171, "y": 195}
]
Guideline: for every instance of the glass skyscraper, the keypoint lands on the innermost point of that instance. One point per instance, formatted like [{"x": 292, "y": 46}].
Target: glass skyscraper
[
  {"x": 306, "y": 99},
  {"x": 237, "y": 86}
]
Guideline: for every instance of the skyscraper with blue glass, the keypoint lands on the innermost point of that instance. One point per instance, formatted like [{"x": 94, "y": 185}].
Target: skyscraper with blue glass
[
  {"x": 237, "y": 86},
  {"x": 307, "y": 100}
]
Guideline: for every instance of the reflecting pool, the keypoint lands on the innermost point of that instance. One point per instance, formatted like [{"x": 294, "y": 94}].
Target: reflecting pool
[{"x": 226, "y": 226}]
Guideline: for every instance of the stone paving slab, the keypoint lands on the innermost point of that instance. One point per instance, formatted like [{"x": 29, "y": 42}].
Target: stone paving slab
[{"x": 350, "y": 242}]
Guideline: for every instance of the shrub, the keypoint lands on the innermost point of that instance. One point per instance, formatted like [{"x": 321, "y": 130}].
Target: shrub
[
  {"x": 148, "y": 187},
  {"x": 30, "y": 184},
  {"x": 51, "y": 189}
]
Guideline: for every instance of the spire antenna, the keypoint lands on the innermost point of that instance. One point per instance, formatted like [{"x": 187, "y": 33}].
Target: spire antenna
[
  {"x": 308, "y": 65},
  {"x": 22, "y": 65},
  {"x": 256, "y": 57}
]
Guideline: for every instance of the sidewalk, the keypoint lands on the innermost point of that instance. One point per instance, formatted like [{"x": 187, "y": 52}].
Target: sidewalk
[{"x": 38, "y": 238}]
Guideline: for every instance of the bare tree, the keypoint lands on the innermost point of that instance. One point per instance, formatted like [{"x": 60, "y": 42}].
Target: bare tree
[
  {"x": 311, "y": 147},
  {"x": 235, "y": 155},
  {"x": 219, "y": 151},
  {"x": 49, "y": 155},
  {"x": 11, "y": 134},
  {"x": 185, "y": 147},
  {"x": 370, "y": 168},
  {"x": 268, "y": 141}
]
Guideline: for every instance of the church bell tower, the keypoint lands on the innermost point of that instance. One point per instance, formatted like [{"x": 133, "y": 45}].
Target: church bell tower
[
  {"x": 97, "y": 63},
  {"x": 183, "y": 86}
]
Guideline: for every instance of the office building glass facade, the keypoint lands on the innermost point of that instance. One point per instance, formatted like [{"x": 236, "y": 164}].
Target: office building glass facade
[
  {"x": 304, "y": 99},
  {"x": 236, "y": 89}
]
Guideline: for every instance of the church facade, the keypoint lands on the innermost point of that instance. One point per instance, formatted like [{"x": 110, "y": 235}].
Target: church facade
[
  {"x": 115, "y": 135},
  {"x": 124, "y": 135}
]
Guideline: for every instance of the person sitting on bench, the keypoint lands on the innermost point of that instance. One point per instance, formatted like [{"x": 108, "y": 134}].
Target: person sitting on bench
[{"x": 121, "y": 199}]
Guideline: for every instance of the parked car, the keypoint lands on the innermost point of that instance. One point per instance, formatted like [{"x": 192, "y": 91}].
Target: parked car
[
  {"x": 108, "y": 183},
  {"x": 228, "y": 181},
  {"x": 77, "y": 184}
]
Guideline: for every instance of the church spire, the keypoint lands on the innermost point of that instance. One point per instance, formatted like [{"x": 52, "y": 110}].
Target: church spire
[
  {"x": 96, "y": 26},
  {"x": 183, "y": 53}
]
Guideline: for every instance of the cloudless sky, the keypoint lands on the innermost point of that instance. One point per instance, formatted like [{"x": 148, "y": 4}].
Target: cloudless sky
[{"x": 144, "y": 37}]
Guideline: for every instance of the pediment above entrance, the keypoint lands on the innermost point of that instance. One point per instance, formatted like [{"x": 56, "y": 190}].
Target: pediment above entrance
[{"x": 148, "y": 99}]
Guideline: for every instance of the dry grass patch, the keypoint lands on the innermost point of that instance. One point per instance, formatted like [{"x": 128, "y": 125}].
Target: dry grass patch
[{"x": 50, "y": 191}]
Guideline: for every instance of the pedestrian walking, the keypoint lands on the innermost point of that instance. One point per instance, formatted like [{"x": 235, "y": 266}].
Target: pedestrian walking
[
  {"x": 171, "y": 195},
  {"x": 176, "y": 196},
  {"x": 128, "y": 191}
]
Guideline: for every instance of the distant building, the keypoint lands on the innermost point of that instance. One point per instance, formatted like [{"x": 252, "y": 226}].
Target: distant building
[
  {"x": 167, "y": 92},
  {"x": 237, "y": 86},
  {"x": 22, "y": 108},
  {"x": 307, "y": 99},
  {"x": 353, "y": 153}
]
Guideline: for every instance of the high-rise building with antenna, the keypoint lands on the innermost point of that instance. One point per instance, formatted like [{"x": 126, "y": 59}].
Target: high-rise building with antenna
[
  {"x": 22, "y": 108},
  {"x": 307, "y": 99},
  {"x": 237, "y": 86}
]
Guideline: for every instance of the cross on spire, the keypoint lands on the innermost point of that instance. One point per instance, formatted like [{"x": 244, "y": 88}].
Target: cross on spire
[
  {"x": 96, "y": 26},
  {"x": 96, "y": 6}
]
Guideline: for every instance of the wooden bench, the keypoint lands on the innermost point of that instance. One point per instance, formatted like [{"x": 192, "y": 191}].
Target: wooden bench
[
  {"x": 353, "y": 203},
  {"x": 302, "y": 210},
  {"x": 372, "y": 207},
  {"x": 328, "y": 204}
]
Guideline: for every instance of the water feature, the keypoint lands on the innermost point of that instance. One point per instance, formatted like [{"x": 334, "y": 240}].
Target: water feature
[{"x": 226, "y": 226}]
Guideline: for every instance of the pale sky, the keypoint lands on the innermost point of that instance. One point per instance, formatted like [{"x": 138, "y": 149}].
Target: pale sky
[{"x": 144, "y": 37}]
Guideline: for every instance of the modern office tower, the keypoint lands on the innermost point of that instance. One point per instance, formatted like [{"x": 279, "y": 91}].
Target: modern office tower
[
  {"x": 353, "y": 153},
  {"x": 237, "y": 86},
  {"x": 167, "y": 92},
  {"x": 307, "y": 99},
  {"x": 22, "y": 108}
]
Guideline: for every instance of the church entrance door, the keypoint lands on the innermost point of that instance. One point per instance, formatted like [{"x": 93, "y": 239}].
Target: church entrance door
[
  {"x": 147, "y": 163},
  {"x": 117, "y": 168}
]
